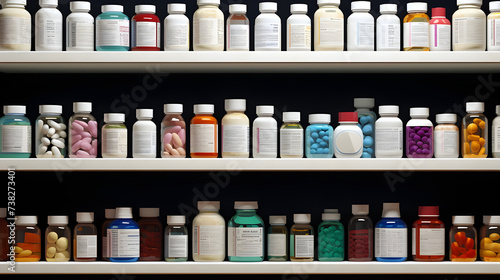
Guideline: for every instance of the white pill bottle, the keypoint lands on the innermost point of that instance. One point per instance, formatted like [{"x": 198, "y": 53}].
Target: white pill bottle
[
  {"x": 15, "y": 26},
  {"x": 176, "y": 33},
  {"x": 79, "y": 27},
  {"x": 469, "y": 26},
  {"x": 209, "y": 233},
  {"x": 388, "y": 29},
  {"x": 265, "y": 133},
  {"x": 50, "y": 132},
  {"x": 493, "y": 33},
  {"x": 388, "y": 133},
  {"x": 360, "y": 27},
  {"x": 235, "y": 130},
  {"x": 298, "y": 35},
  {"x": 268, "y": 28},
  {"x": 208, "y": 26},
  {"x": 48, "y": 27},
  {"x": 328, "y": 26},
  {"x": 446, "y": 137},
  {"x": 144, "y": 135},
  {"x": 114, "y": 136},
  {"x": 495, "y": 134}
]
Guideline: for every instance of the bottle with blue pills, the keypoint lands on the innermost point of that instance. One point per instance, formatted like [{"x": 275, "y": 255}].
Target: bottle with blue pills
[
  {"x": 391, "y": 235},
  {"x": 112, "y": 29},
  {"x": 123, "y": 237},
  {"x": 319, "y": 136},
  {"x": 366, "y": 121}
]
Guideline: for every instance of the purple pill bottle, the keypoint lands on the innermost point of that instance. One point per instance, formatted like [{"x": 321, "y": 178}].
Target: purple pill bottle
[{"x": 419, "y": 134}]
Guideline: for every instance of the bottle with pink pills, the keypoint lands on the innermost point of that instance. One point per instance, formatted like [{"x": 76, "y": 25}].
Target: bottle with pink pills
[
  {"x": 173, "y": 132},
  {"x": 83, "y": 131},
  {"x": 419, "y": 134}
]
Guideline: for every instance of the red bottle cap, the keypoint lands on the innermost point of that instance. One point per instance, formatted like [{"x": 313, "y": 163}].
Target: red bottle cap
[
  {"x": 428, "y": 210},
  {"x": 348, "y": 117},
  {"x": 438, "y": 12}
]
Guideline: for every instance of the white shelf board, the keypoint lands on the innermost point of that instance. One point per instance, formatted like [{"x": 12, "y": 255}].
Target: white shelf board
[
  {"x": 250, "y": 164},
  {"x": 242, "y": 62}
]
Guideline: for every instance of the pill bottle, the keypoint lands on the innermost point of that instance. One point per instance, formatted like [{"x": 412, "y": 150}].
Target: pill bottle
[
  {"x": 238, "y": 29},
  {"x": 388, "y": 28},
  {"x": 366, "y": 119},
  {"x": 328, "y": 26},
  {"x": 145, "y": 29},
  {"x": 299, "y": 29},
  {"x": 319, "y": 136},
  {"x": 204, "y": 140},
  {"x": 112, "y": 29},
  {"x": 469, "y": 26},
  {"x": 440, "y": 30},
  {"x": 416, "y": 27},
  {"x": 245, "y": 233},
  {"x": 57, "y": 239},
  {"x": 79, "y": 27},
  {"x": 4, "y": 236},
  {"x": 15, "y": 133},
  {"x": 331, "y": 237},
  {"x": 173, "y": 131},
  {"x": 348, "y": 137},
  {"x": 493, "y": 27},
  {"x": 446, "y": 136},
  {"x": 28, "y": 239},
  {"x": 176, "y": 24},
  {"x": 291, "y": 136},
  {"x": 208, "y": 26},
  {"x": 151, "y": 234},
  {"x": 176, "y": 239},
  {"x": 211, "y": 224},
  {"x": 489, "y": 234},
  {"x": 124, "y": 237},
  {"x": 360, "y": 27},
  {"x": 419, "y": 134},
  {"x": 474, "y": 131},
  {"x": 85, "y": 238},
  {"x": 83, "y": 131},
  {"x": 50, "y": 132},
  {"x": 360, "y": 231},
  {"x": 15, "y": 26},
  {"x": 144, "y": 135},
  {"x": 302, "y": 239},
  {"x": 495, "y": 131},
  {"x": 277, "y": 239},
  {"x": 48, "y": 27},
  {"x": 428, "y": 235},
  {"x": 109, "y": 215},
  {"x": 114, "y": 136},
  {"x": 268, "y": 28},
  {"x": 388, "y": 133},
  {"x": 265, "y": 133},
  {"x": 391, "y": 239},
  {"x": 463, "y": 239},
  {"x": 235, "y": 130}
]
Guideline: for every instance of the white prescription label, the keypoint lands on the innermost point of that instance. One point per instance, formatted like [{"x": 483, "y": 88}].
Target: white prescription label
[
  {"x": 238, "y": 37},
  {"x": 389, "y": 36},
  {"x": 292, "y": 142},
  {"x": 331, "y": 31},
  {"x": 144, "y": 142},
  {"x": 388, "y": 138},
  {"x": 446, "y": 142},
  {"x": 432, "y": 241},
  {"x": 304, "y": 246},
  {"x": 208, "y": 240},
  {"x": 440, "y": 36},
  {"x": 366, "y": 34},
  {"x": 16, "y": 139},
  {"x": 496, "y": 139},
  {"x": 203, "y": 138},
  {"x": 267, "y": 35},
  {"x": 15, "y": 30},
  {"x": 114, "y": 141},
  {"x": 177, "y": 246},
  {"x": 267, "y": 140},
  {"x": 245, "y": 241},
  {"x": 176, "y": 34},
  {"x": 146, "y": 34},
  {"x": 86, "y": 246},
  {"x": 112, "y": 32},
  {"x": 209, "y": 31},
  {"x": 416, "y": 34},
  {"x": 494, "y": 32},
  {"x": 124, "y": 243},
  {"x": 50, "y": 32},
  {"x": 300, "y": 36},
  {"x": 235, "y": 138},
  {"x": 469, "y": 30},
  {"x": 391, "y": 242},
  {"x": 80, "y": 33},
  {"x": 276, "y": 244}
]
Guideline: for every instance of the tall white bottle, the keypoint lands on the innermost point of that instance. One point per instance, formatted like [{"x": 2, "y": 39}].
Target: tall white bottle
[
  {"x": 48, "y": 27},
  {"x": 298, "y": 35},
  {"x": 388, "y": 29},
  {"x": 79, "y": 27},
  {"x": 268, "y": 28},
  {"x": 360, "y": 27}
]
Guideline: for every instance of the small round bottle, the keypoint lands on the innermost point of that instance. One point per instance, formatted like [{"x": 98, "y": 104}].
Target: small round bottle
[
  {"x": 208, "y": 26},
  {"x": 50, "y": 132},
  {"x": 388, "y": 133},
  {"x": 144, "y": 135},
  {"x": 493, "y": 27},
  {"x": 235, "y": 130},
  {"x": 469, "y": 26},
  {"x": 114, "y": 136},
  {"x": 319, "y": 137},
  {"x": 391, "y": 240},
  {"x": 267, "y": 28},
  {"x": 245, "y": 233},
  {"x": 238, "y": 29},
  {"x": 204, "y": 139},
  {"x": 277, "y": 239},
  {"x": 446, "y": 136},
  {"x": 463, "y": 239},
  {"x": 291, "y": 136},
  {"x": 489, "y": 234},
  {"x": 331, "y": 237},
  {"x": 265, "y": 133},
  {"x": 15, "y": 133},
  {"x": 15, "y": 27},
  {"x": 360, "y": 27},
  {"x": 419, "y": 134},
  {"x": 302, "y": 239},
  {"x": 428, "y": 235},
  {"x": 440, "y": 30},
  {"x": 348, "y": 137},
  {"x": 83, "y": 131},
  {"x": 48, "y": 27},
  {"x": 58, "y": 239},
  {"x": 85, "y": 238},
  {"x": 328, "y": 26},
  {"x": 145, "y": 29},
  {"x": 124, "y": 237},
  {"x": 211, "y": 224},
  {"x": 28, "y": 239},
  {"x": 416, "y": 27},
  {"x": 173, "y": 132},
  {"x": 299, "y": 29},
  {"x": 79, "y": 27},
  {"x": 366, "y": 119},
  {"x": 474, "y": 131},
  {"x": 495, "y": 131},
  {"x": 360, "y": 231},
  {"x": 176, "y": 239},
  {"x": 112, "y": 29},
  {"x": 109, "y": 215},
  {"x": 151, "y": 234},
  {"x": 176, "y": 28},
  {"x": 388, "y": 29}
]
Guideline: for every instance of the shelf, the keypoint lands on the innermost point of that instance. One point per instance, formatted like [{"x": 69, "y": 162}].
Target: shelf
[
  {"x": 256, "y": 62},
  {"x": 250, "y": 164}
]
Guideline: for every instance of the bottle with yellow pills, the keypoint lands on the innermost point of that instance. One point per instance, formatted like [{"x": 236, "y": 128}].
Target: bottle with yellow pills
[
  {"x": 489, "y": 234},
  {"x": 474, "y": 131}
]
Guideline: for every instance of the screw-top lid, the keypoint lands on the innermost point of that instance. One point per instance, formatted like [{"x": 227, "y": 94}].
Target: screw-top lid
[
  {"x": 416, "y": 7},
  {"x": 391, "y": 210},
  {"x": 291, "y": 117},
  {"x": 497, "y": 108},
  {"x": 495, "y": 6},
  {"x": 388, "y": 110},
  {"x": 268, "y": 7},
  {"x": 57, "y": 220},
  {"x": 144, "y": 113},
  {"x": 361, "y": 6},
  {"x": 388, "y": 9},
  {"x": 112, "y": 8},
  {"x": 319, "y": 118},
  {"x": 85, "y": 217},
  {"x": 50, "y": 109},
  {"x": 145, "y": 9},
  {"x": 470, "y": 2},
  {"x": 267, "y": 110},
  {"x": 348, "y": 117},
  {"x": 114, "y": 117},
  {"x": 82, "y": 107},
  {"x": 326, "y": 2},
  {"x": 176, "y": 8},
  {"x": 462, "y": 220},
  {"x": 428, "y": 211},
  {"x": 203, "y": 109},
  {"x": 446, "y": 118},
  {"x": 208, "y": 2},
  {"x": 232, "y": 105},
  {"x": 420, "y": 112},
  {"x": 360, "y": 209},
  {"x": 149, "y": 212},
  {"x": 237, "y": 9},
  {"x": 124, "y": 213},
  {"x": 3, "y": 212},
  {"x": 365, "y": 102},
  {"x": 330, "y": 215},
  {"x": 248, "y": 205},
  {"x": 15, "y": 2},
  {"x": 173, "y": 108},
  {"x": 176, "y": 220},
  {"x": 26, "y": 220},
  {"x": 277, "y": 220},
  {"x": 48, "y": 3},
  {"x": 79, "y": 6},
  {"x": 298, "y": 8},
  {"x": 208, "y": 205},
  {"x": 474, "y": 107},
  {"x": 110, "y": 213},
  {"x": 14, "y": 109},
  {"x": 491, "y": 220},
  {"x": 439, "y": 12},
  {"x": 302, "y": 218}
]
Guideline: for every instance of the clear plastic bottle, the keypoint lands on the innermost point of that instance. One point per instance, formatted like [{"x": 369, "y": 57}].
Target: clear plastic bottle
[
  {"x": 388, "y": 28},
  {"x": 79, "y": 27},
  {"x": 331, "y": 237},
  {"x": 319, "y": 136},
  {"x": 388, "y": 133},
  {"x": 173, "y": 132},
  {"x": 302, "y": 239},
  {"x": 245, "y": 233},
  {"x": 144, "y": 135},
  {"x": 268, "y": 28},
  {"x": 124, "y": 237},
  {"x": 48, "y": 27},
  {"x": 235, "y": 130},
  {"x": 493, "y": 27},
  {"x": 391, "y": 235},
  {"x": 114, "y": 136},
  {"x": 360, "y": 27},
  {"x": 419, "y": 134},
  {"x": 428, "y": 235},
  {"x": 176, "y": 28},
  {"x": 151, "y": 234},
  {"x": 204, "y": 139},
  {"x": 348, "y": 137},
  {"x": 50, "y": 132},
  {"x": 109, "y": 215},
  {"x": 146, "y": 29},
  {"x": 83, "y": 131},
  {"x": 299, "y": 29},
  {"x": 328, "y": 26},
  {"x": 469, "y": 26},
  {"x": 4, "y": 236},
  {"x": 495, "y": 134},
  {"x": 211, "y": 224},
  {"x": 360, "y": 231},
  {"x": 176, "y": 239},
  {"x": 208, "y": 26},
  {"x": 85, "y": 238},
  {"x": 238, "y": 29},
  {"x": 28, "y": 246},
  {"x": 440, "y": 30},
  {"x": 15, "y": 26},
  {"x": 291, "y": 136},
  {"x": 416, "y": 27},
  {"x": 366, "y": 119},
  {"x": 474, "y": 131},
  {"x": 463, "y": 239},
  {"x": 265, "y": 133},
  {"x": 58, "y": 239},
  {"x": 15, "y": 133},
  {"x": 277, "y": 239},
  {"x": 112, "y": 29},
  {"x": 446, "y": 136},
  {"x": 489, "y": 234}
]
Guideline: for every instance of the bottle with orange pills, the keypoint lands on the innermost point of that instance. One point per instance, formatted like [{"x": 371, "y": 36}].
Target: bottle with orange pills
[{"x": 474, "y": 131}]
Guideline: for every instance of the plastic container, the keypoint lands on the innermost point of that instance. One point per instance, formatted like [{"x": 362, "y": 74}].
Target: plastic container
[
  {"x": 265, "y": 133},
  {"x": 388, "y": 28},
  {"x": 114, "y": 136},
  {"x": 109, "y": 214},
  {"x": 291, "y": 136},
  {"x": 176, "y": 28},
  {"x": 28, "y": 246},
  {"x": 428, "y": 235},
  {"x": 58, "y": 239},
  {"x": 366, "y": 119},
  {"x": 495, "y": 134},
  {"x": 440, "y": 30},
  {"x": 15, "y": 26},
  {"x": 146, "y": 29},
  {"x": 298, "y": 29},
  {"x": 173, "y": 132},
  {"x": 267, "y": 28},
  {"x": 474, "y": 131},
  {"x": 83, "y": 131},
  {"x": 235, "y": 130},
  {"x": 416, "y": 27},
  {"x": 85, "y": 238},
  {"x": 144, "y": 135},
  {"x": 15, "y": 133},
  {"x": 493, "y": 27},
  {"x": 208, "y": 26},
  {"x": 50, "y": 132},
  {"x": 204, "y": 139},
  {"x": 391, "y": 235},
  {"x": 348, "y": 137},
  {"x": 328, "y": 26},
  {"x": 463, "y": 239},
  {"x": 388, "y": 133},
  {"x": 79, "y": 27},
  {"x": 469, "y": 26},
  {"x": 238, "y": 29},
  {"x": 419, "y": 134},
  {"x": 446, "y": 136},
  {"x": 48, "y": 27},
  {"x": 245, "y": 233},
  {"x": 319, "y": 136},
  {"x": 4, "y": 237},
  {"x": 360, "y": 231},
  {"x": 210, "y": 224},
  {"x": 151, "y": 234},
  {"x": 360, "y": 27},
  {"x": 302, "y": 239},
  {"x": 124, "y": 237},
  {"x": 277, "y": 239},
  {"x": 112, "y": 29},
  {"x": 176, "y": 239},
  {"x": 489, "y": 234},
  {"x": 331, "y": 237}
]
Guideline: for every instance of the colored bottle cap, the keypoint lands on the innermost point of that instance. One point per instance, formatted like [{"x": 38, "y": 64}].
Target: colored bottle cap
[
  {"x": 3, "y": 212},
  {"x": 348, "y": 117},
  {"x": 439, "y": 12},
  {"x": 428, "y": 211}
]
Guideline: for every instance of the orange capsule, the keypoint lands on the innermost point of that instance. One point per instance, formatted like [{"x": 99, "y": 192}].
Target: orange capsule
[
  {"x": 467, "y": 148},
  {"x": 477, "y": 121},
  {"x": 482, "y": 141},
  {"x": 482, "y": 124},
  {"x": 472, "y": 128},
  {"x": 469, "y": 244},
  {"x": 473, "y": 137},
  {"x": 475, "y": 147}
]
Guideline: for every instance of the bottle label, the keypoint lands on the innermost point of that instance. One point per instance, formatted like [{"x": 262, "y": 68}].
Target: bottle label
[
  {"x": 146, "y": 34},
  {"x": 114, "y": 141},
  {"x": 15, "y": 30},
  {"x": 388, "y": 138},
  {"x": 348, "y": 142},
  {"x": 176, "y": 34},
  {"x": 431, "y": 241},
  {"x": 208, "y": 240},
  {"x": 331, "y": 31},
  {"x": 238, "y": 37},
  {"x": 416, "y": 34},
  {"x": 267, "y": 35},
  {"x": 177, "y": 246},
  {"x": 440, "y": 37},
  {"x": 496, "y": 139},
  {"x": 235, "y": 138},
  {"x": 203, "y": 138},
  {"x": 86, "y": 246},
  {"x": 276, "y": 244},
  {"x": 292, "y": 142},
  {"x": 105, "y": 247},
  {"x": 49, "y": 32},
  {"x": 389, "y": 36},
  {"x": 124, "y": 243},
  {"x": 494, "y": 32},
  {"x": 469, "y": 30},
  {"x": 81, "y": 34},
  {"x": 303, "y": 246},
  {"x": 209, "y": 31},
  {"x": 391, "y": 242},
  {"x": 300, "y": 36},
  {"x": 267, "y": 140},
  {"x": 446, "y": 142},
  {"x": 245, "y": 242},
  {"x": 365, "y": 34},
  {"x": 112, "y": 32},
  {"x": 144, "y": 142},
  {"x": 16, "y": 139}
]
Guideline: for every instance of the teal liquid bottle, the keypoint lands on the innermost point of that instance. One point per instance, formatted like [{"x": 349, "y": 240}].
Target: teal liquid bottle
[
  {"x": 245, "y": 234},
  {"x": 112, "y": 29},
  {"x": 15, "y": 133},
  {"x": 123, "y": 237},
  {"x": 331, "y": 237}
]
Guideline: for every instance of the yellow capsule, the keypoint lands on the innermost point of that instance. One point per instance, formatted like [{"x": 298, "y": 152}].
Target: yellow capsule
[
  {"x": 26, "y": 253},
  {"x": 487, "y": 253},
  {"x": 495, "y": 247},
  {"x": 477, "y": 121},
  {"x": 482, "y": 124},
  {"x": 18, "y": 249},
  {"x": 482, "y": 151},
  {"x": 475, "y": 147},
  {"x": 473, "y": 137},
  {"x": 472, "y": 128},
  {"x": 494, "y": 236},
  {"x": 467, "y": 148},
  {"x": 482, "y": 141}
]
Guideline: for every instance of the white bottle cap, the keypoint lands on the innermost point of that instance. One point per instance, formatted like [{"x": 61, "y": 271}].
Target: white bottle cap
[
  {"x": 16, "y": 2},
  {"x": 494, "y": 6},
  {"x": 203, "y": 109},
  {"x": 248, "y": 205},
  {"x": 419, "y": 112},
  {"x": 172, "y": 108},
  {"x": 360, "y": 209},
  {"x": 446, "y": 118},
  {"x": 302, "y": 218},
  {"x": 319, "y": 118},
  {"x": 85, "y": 217},
  {"x": 114, "y": 117},
  {"x": 268, "y": 7},
  {"x": 57, "y": 220},
  {"x": 208, "y": 2},
  {"x": 291, "y": 117},
  {"x": 416, "y": 7},
  {"x": 144, "y": 113},
  {"x": 176, "y": 8},
  {"x": 145, "y": 9},
  {"x": 277, "y": 220},
  {"x": 264, "y": 110},
  {"x": 110, "y": 213},
  {"x": 388, "y": 110},
  {"x": 365, "y": 102},
  {"x": 112, "y": 8},
  {"x": 26, "y": 220},
  {"x": 79, "y": 6},
  {"x": 462, "y": 220},
  {"x": 176, "y": 220},
  {"x": 232, "y": 105},
  {"x": 362, "y": 6},
  {"x": 330, "y": 216},
  {"x": 82, "y": 107},
  {"x": 491, "y": 220},
  {"x": 208, "y": 205},
  {"x": 298, "y": 8},
  {"x": 149, "y": 212},
  {"x": 326, "y": 2},
  {"x": 14, "y": 109},
  {"x": 3, "y": 212},
  {"x": 474, "y": 107},
  {"x": 123, "y": 213},
  {"x": 469, "y": 2},
  {"x": 497, "y": 108},
  {"x": 50, "y": 109},
  {"x": 391, "y": 210},
  {"x": 48, "y": 3},
  {"x": 237, "y": 9},
  {"x": 388, "y": 9}
]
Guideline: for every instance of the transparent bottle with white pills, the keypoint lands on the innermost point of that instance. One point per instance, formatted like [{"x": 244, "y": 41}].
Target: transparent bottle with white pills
[
  {"x": 360, "y": 27},
  {"x": 15, "y": 26},
  {"x": 114, "y": 136},
  {"x": 238, "y": 29},
  {"x": 328, "y": 26},
  {"x": 389, "y": 133},
  {"x": 267, "y": 28},
  {"x": 50, "y": 132},
  {"x": 299, "y": 29},
  {"x": 144, "y": 135},
  {"x": 388, "y": 29},
  {"x": 48, "y": 27},
  {"x": 265, "y": 133},
  {"x": 235, "y": 130},
  {"x": 176, "y": 24},
  {"x": 79, "y": 27}
]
